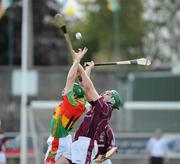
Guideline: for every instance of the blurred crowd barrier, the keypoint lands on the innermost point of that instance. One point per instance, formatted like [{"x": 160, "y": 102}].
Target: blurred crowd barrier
[{"x": 132, "y": 147}]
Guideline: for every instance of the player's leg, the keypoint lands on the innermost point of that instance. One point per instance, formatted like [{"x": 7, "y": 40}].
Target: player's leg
[
  {"x": 66, "y": 143},
  {"x": 53, "y": 144},
  {"x": 48, "y": 162},
  {"x": 83, "y": 150},
  {"x": 63, "y": 161}
]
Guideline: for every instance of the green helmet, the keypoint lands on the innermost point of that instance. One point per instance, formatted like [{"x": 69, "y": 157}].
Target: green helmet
[
  {"x": 118, "y": 102},
  {"x": 78, "y": 90}
]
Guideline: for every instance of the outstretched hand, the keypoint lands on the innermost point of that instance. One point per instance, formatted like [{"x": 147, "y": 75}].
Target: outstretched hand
[{"x": 80, "y": 54}]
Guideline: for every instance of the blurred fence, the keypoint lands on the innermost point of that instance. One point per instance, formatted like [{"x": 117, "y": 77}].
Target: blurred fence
[
  {"x": 154, "y": 86},
  {"x": 145, "y": 116},
  {"x": 131, "y": 148}
]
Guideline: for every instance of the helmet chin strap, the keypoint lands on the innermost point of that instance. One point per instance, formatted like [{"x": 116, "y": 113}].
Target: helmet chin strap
[{"x": 110, "y": 104}]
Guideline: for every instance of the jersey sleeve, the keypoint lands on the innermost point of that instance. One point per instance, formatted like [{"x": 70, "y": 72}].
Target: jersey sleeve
[
  {"x": 110, "y": 138},
  {"x": 101, "y": 106}
]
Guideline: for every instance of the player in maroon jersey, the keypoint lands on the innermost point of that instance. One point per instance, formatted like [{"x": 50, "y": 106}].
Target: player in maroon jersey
[
  {"x": 105, "y": 143},
  {"x": 85, "y": 148}
]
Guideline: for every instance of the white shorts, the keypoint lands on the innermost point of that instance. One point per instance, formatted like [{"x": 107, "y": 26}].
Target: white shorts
[
  {"x": 80, "y": 148},
  {"x": 64, "y": 147},
  {"x": 2, "y": 158}
]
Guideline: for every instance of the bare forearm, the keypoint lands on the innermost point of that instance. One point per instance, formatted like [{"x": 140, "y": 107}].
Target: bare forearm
[
  {"x": 91, "y": 92},
  {"x": 86, "y": 81},
  {"x": 74, "y": 68},
  {"x": 89, "y": 66},
  {"x": 88, "y": 71},
  {"x": 73, "y": 71},
  {"x": 71, "y": 77}
]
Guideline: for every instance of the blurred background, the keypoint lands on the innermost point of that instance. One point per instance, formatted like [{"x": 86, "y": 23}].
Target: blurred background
[{"x": 34, "y": 61}]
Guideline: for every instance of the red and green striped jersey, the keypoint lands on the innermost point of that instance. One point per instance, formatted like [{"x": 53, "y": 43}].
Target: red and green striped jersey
[{"x": 66, "y": 115}]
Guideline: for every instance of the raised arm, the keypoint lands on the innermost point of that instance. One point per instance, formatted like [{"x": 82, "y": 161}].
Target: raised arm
[
  {"x": 88, "y": 67},
  {"x": 91, "y": 93},
  {"x": 72, "y": 74}
]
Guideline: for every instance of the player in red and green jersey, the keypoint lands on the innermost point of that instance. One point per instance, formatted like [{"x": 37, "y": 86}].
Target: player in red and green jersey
[{"x": 66, "y": 114}]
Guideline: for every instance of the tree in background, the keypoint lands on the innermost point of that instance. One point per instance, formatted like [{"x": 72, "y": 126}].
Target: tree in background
[
  {"x": 97, "y": 28},
  {"x": 9, "y": 40},
  {"x": 163, "y": 33},
  {"x": 49, "y": 43},
  {"x": 146, "y": 28}
]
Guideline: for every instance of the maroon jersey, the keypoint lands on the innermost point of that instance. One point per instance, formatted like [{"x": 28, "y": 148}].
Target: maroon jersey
[
  {"x": 106, "y": 140},
  {"x": 95, "y": 120}
]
